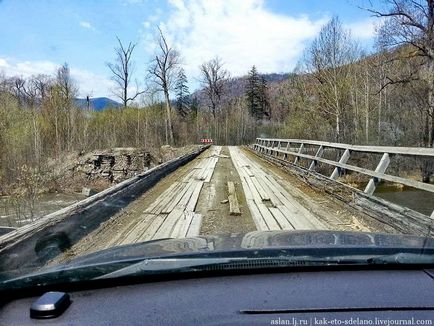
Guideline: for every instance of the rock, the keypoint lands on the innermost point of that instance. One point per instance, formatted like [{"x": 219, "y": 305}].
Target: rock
[{"x": 224, "y": 201}]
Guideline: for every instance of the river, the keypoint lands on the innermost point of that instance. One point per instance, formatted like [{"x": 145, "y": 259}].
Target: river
[
  {"x": 418, "y": 200},
  {"x": 18, "y": 215}
]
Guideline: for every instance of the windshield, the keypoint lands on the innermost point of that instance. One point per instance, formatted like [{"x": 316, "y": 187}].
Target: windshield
[{"x": 256, "y": 129}]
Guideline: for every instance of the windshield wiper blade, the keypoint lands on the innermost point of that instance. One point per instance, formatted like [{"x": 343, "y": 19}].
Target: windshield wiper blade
[
  {"x": 163, "y": 264},
  {"x": 403, "y": 258},
  {"x": 150, "y": 266}
]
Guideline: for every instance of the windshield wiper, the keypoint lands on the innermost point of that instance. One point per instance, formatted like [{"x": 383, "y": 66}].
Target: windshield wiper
[
  {"x": 201, "y": 264},
  {"x": 403, "y": 258},
  {"x": 174, "y": 265},
  {"x": 150, "y": 266}
]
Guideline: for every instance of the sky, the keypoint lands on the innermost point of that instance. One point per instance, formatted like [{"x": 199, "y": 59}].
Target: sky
[{"x": 39, "y": 36}]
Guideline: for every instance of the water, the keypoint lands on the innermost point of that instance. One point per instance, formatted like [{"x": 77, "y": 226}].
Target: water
[
  {"x": 19, "y": 215},
  {"x": 418, "y": 200}
]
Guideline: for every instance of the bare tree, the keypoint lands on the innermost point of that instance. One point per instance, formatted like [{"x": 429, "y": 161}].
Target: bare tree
[
  {"x": 163, "y": 71},
  {"x": 122, "y": 70},
  {"x": 41, "y": 83},
  {"x": 67, "y": 91},
  {"x": 411, "y": 23},
  {"x": 213, "y": 80},
  {"x": 330, "y": 60}
]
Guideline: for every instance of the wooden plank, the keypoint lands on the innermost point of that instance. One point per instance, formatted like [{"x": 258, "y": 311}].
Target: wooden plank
[
  {"x": 281, "y": 219},
  {"x": 135, "y": 234},
  {"x": 268, "y": 217},
  {"x": 256, "y": 214},
  {"x": 176, "y": 199},
  {"x": 264, "y": 195},
  {"x": 118, "y": 238},
  {"x": 298, "y": 216},
  {"x": 253, "y": 190},
  {"x": 178, "y": 225},
  {"x": 196, "y": 223},
  {"x": 168, "y": 225},
  {"x": 268, "y": 187},
  {"x": 279, "y": 196},
  {"x": 247, "y": 169},
  {"x": 211, "y": 169},
  {"x": 162, "y": 200},
  {"x": 297, "y": 220},
  {"x": 184, "y": 225},
  {"x": 203, "y": 170},
  {"x": 301, "y": 211},
  {"x": 191, "y": 205},
  {"x": 153, "y": 227},
  {"x": 234, "y": 208}
]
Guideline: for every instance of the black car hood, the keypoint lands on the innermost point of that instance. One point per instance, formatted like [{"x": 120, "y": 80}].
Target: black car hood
[{"x": 260, "y": 240}]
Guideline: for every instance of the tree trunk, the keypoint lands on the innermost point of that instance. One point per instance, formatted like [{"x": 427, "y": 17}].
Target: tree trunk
[
  {"x": 430, "y": 104},
  {"x": 367, "y": 110},
  {"x": 338, "y": 127},
  {"x": 169, "y": 119},
  {"x": 379, "y": 119}
]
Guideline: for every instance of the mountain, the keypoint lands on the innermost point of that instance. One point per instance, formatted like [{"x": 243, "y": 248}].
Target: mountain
[
  {"x": 98, "y": 103},
  {"x": 236, "y": 86}
]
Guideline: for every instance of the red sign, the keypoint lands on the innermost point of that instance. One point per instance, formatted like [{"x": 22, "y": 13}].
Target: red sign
[{"x": 206, "y": 141}]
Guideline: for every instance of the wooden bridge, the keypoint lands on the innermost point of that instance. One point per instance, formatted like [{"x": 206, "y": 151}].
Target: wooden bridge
[{"x": 274, "y": 184}]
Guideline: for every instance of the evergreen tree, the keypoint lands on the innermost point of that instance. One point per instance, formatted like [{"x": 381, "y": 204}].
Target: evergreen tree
[
  {"x": 182, "y": 94},
  {"x": 256, "y": 94},
  {"x": 194, "y": 106}
]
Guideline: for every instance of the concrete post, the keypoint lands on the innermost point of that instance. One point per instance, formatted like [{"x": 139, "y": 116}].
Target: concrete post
[
  {"x": 381, "y": 168},
  {"x": 300, "y": 150},
  {"x": 314, "y": 163},
  {"x": 344, "y": 158},
  {"x": 287, "y": 148}
]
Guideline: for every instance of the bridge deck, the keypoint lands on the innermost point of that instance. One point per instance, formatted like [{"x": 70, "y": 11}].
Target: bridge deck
[
  {"x": 172, "y": 214},
  {"x": 193, "y": 201},
  {"x": 272, "y": 207}
]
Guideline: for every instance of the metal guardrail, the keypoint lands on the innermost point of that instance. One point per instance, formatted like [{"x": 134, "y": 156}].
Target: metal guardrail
[{"x": 283, "y": 147}]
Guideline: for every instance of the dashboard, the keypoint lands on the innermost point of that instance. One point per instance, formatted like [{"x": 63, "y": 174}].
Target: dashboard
[{"x": 358, "y": 297}]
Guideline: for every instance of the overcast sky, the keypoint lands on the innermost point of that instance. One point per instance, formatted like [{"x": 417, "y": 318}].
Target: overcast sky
[{"x": 38, "y": 36}]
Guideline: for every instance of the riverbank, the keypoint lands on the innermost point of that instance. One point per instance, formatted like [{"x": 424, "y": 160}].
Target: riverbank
[
  {"x": 15, "y": 213},
  {"x": 67, "y": 177}
]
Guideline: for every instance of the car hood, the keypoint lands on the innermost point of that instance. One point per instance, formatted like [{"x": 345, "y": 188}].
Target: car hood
[{"x": 258, "y": 240}]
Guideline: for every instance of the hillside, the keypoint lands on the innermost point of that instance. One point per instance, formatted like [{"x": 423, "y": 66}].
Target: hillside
[
  {"x": 98, "y": 103},
  {"x": 236, "y": 85}
]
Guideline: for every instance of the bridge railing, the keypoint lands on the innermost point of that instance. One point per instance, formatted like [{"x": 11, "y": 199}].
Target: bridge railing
[{"x": 296, "y": 148}]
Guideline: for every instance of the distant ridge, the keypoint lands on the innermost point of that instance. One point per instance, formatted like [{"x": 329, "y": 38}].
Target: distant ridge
[
  {"x": 98, "y": 103},
  {"x": 237, "y": 85}
]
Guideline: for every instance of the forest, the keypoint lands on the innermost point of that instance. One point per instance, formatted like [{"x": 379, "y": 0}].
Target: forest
[{"x": 338, "y": 92}]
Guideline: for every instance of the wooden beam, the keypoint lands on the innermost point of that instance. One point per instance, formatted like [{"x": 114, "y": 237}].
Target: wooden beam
[
  {"x": 387, "y": 177},
  {"x": 234, "y": 208},
  {"x": 412, "y": 151}
]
